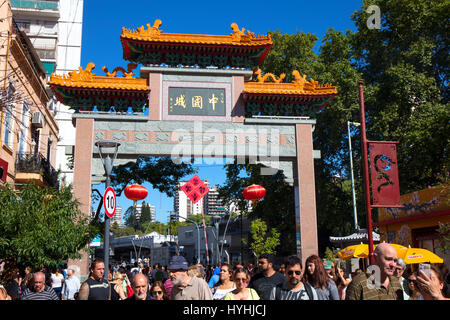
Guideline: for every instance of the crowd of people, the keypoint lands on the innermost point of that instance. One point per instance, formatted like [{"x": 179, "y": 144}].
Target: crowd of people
[{"x": 181, "y": 281}]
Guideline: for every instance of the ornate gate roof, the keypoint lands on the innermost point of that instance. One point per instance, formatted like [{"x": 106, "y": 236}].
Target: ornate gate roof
[
  {"x": 240, "y": 49},
  {"x": 83, "y": 89},
  {"x": 267, "y": 96}
]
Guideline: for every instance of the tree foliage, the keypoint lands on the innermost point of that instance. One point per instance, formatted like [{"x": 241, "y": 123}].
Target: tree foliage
[
  {"x": 404, "y": 67},
  {"x": 41, "y": 226},
  {"x": 263, "y": 242},
  {"x": 161, "y": 172},
  {"x": 444, "y": 233},
  {"x": 277, "y": 206}
]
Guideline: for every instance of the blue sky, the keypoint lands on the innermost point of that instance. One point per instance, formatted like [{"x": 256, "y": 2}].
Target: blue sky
[{"x": 103, "y": 21}]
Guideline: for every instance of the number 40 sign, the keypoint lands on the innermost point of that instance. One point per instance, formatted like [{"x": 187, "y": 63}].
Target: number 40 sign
[{"x": 109, "y": 202}]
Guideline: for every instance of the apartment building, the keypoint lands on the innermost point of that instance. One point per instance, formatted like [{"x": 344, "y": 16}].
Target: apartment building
[
  {"x": 54, "y": 28},
  {"x": 28, "y": 129},
  {"x": 183, "y": 206}
]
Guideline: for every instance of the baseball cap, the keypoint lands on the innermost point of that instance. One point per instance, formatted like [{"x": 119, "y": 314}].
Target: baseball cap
[{"x": 178, "y": 263}]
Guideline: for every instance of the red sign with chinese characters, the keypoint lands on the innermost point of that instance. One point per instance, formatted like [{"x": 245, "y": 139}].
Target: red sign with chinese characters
[
  {"x": 384, "y": 174},
  {"x": 195, "y": 189}
]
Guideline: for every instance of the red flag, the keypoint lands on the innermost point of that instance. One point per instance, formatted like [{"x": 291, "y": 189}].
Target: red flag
[{"x": 384, "y": 174}]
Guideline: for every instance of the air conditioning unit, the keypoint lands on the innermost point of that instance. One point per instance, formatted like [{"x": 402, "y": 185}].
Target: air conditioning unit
[{"x": 38, "y": 120}]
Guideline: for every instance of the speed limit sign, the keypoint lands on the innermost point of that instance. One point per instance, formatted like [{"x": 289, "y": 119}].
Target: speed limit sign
[{"x": 109, "y": 202}]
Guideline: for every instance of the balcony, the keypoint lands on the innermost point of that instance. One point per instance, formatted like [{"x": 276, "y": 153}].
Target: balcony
[
  {"x": 35, "y": 168},
  {"x": 44, "y": 8}
]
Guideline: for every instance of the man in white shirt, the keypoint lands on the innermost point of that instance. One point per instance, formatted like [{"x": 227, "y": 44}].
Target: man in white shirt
[
  {"x": 70, "y": 286},
  {"x": 398, "y": 273}
]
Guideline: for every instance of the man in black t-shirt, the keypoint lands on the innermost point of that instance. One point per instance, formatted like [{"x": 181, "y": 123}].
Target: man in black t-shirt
[
  {"x": 267, "y": 278},
  {"x": 95, "y": 287}
]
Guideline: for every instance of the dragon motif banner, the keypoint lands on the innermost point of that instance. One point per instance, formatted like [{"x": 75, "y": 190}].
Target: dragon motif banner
[{"x": 384, "y": 174}]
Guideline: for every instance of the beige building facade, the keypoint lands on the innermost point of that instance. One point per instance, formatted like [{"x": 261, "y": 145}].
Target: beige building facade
[{"x": 28, "y": 130}]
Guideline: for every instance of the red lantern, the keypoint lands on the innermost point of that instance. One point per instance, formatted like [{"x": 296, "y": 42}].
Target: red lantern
[
  {"x": 254, "y": 193},
  {"x": 136, "y": 192}
]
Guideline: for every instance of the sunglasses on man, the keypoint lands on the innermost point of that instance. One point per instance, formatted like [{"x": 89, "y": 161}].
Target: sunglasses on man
[{"x": 291, "y": 272}]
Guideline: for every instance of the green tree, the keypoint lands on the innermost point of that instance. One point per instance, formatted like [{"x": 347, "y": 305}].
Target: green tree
[
  {"x": 41, "y": 226},
  {"x": 161, "y": 172},
  {"x": 406, "y": 64},
  {"x": 444, "y": 235},
  {"x": 277, "y": 206},
  {"x": 197, "y": 218},
  {"x": 262, "y": 240},
  {"x": 122, "y": 231},
  {"x": 291, "y": 52},
  {"x": 329, "y": 255},
  {"x": 145, "y": 215},
  {"x": 131, "y": 219},
  {"x": 333, "y": 65}
]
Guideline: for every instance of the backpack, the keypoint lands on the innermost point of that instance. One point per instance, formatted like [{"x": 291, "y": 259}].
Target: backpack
[{"x": 307, "y": 289}]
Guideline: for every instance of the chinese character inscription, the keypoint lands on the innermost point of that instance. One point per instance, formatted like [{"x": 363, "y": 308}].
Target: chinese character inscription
[{"x": 196, "y": 101}]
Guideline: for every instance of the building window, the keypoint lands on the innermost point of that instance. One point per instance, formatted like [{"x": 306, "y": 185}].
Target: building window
[
  {"x": 46, "y": 54},
  {"x": 24, "y": 26},
  {"x": 426, "y": 238},
  {"x": 24, "y": 127},
  {"x": 50, "y": 27},
  {"x": 8, "y": 137}
]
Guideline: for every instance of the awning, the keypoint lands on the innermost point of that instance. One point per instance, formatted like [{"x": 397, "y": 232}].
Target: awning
[{"x": 361, "y": 236}]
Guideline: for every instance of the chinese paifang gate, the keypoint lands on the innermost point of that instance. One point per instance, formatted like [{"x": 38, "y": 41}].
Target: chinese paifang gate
[{"x": 198, "y": 92}]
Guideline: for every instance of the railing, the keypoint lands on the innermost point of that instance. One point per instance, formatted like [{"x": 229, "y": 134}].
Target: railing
[
  {"x": 37, "y": 163},
  {"x": 34, "y": 4}
]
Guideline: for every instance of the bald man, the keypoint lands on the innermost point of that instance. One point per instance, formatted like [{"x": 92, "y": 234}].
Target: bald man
[
  {"x": 378, "y": 282},
  {"x": 140, "y": 288},
  {"x": 39, "y": 291}
]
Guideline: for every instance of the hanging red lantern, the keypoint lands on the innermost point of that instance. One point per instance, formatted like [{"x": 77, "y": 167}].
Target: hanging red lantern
[
  {"x": 254, "y": 193},
  {"x": 136, "y": 192}
]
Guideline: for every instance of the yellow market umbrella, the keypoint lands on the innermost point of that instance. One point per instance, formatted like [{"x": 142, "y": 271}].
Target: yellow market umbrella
[
  {"x": 420, "y": 255},
  {"x": 399, "y": 248},
  {"x": 354, "y": 251}
]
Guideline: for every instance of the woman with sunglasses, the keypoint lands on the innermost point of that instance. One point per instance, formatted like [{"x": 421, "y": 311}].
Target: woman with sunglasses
[
  {"x": 316, "y": 276},
  {"x": 158, "y": 292},
  {"x": 225, "y": 283},
  {"x": 241, "y": 278},
  {"x": 414, "y": 293}
]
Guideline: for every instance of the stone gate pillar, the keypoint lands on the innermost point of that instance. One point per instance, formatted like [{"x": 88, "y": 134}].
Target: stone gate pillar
[
  {"x": 82, "y": 189},
  {"x": 305, "y": 194}
]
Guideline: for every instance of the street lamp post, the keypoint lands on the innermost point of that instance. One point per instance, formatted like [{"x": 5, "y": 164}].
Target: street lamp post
[
  {"x": 216, "y": 221},
  {"x": 107, "y": 165},
  {"x": 355, "y": 214},
  {"x": 224, "y": 233},
  {"x": 198, "y": 237}
]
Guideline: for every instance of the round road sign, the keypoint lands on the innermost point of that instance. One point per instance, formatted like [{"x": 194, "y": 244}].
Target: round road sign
[{"x": 109, "y": 202}]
